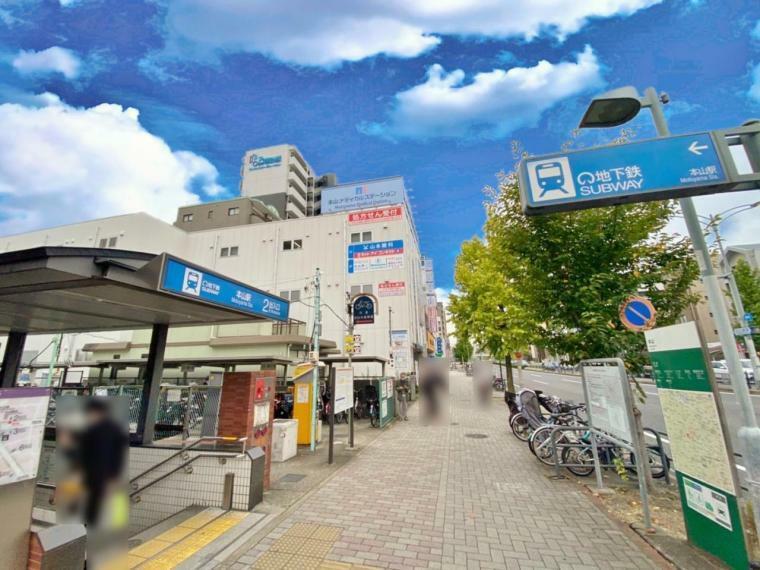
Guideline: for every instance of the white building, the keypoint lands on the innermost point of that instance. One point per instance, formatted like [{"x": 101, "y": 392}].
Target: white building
[{"x": 375, "y": 249}]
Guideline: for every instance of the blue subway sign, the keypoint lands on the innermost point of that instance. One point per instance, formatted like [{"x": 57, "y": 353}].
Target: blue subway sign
[
  {"x": 183, "y": 279},
  {"x": 657, "y": 169}
]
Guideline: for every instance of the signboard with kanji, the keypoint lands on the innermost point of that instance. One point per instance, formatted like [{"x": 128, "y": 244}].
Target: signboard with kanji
[{"x": 388, "y": 214}]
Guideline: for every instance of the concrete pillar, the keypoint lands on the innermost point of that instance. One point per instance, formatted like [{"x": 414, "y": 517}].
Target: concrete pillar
[
  {"x": 146, "y": 421},
  {"x": 14, "y": 349}
]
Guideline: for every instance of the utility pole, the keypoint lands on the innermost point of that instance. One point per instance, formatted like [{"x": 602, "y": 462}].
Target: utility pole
[
  {"x": 350, "y": 312},
  {"x": 749, "y": 432},
  {"x": 53, "y": 359},
  {"x": 315, "y": 371},
  {"x": 736, "y": 297}
]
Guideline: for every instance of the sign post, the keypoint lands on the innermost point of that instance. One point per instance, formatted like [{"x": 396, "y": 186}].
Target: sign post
[
  {"x": 701, "y": 451},
  {"x": 609, "y": 405}
]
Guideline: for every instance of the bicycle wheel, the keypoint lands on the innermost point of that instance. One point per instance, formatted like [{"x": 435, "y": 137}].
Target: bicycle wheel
[
  {"x": 374, "y": 418},
  {"x": 658, "y": 464},
  {"x": 520, "y": 427},
  {"x": 582, "y": 457},
  {"x": 541, "y": 446}
]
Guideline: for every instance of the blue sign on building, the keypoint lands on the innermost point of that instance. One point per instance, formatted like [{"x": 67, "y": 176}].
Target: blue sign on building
[
  {"x": 671, "y": 167},
  {"x": 183, "y": 279},
  {"x": 363, "y": 310}
]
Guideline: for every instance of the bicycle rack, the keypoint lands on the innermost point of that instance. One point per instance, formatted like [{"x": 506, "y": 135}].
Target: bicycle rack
[{"x": 597, "y": 464}]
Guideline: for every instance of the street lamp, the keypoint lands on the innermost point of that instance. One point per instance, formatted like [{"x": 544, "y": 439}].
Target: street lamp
[{"x": 612, "y": 109}]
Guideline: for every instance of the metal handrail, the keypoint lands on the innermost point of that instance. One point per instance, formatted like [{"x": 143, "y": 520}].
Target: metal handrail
[
  {"x": 168, "y": 473},
  {"x": 183, "y": 450}
]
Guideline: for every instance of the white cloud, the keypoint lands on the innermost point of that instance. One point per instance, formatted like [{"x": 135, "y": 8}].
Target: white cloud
[
  {"x": 329, "y": 32},
  {"x": 492, "y": 105},
  {"x": 60, "y": 164},
  {"x": 754, "y": 90},
  {"x": 51, "y": 60}
]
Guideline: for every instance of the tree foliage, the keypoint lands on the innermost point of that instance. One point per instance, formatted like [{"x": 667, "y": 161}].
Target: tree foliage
[
  {"x": 560, "y": 279},
  {"x": 463, "y": 348},
  {"x": 487, "y": 309}
]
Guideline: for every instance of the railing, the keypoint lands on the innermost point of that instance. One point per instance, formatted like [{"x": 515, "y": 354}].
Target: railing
[{"x": 133, "y": 481}]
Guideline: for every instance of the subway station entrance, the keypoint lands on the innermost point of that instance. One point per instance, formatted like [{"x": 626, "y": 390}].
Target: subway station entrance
[{"x": 50, "y": 290}]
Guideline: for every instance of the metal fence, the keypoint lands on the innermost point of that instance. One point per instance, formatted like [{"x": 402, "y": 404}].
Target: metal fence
[{"x": 192, "y": 411}]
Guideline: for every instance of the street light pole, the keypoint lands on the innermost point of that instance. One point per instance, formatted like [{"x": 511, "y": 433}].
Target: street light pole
[
  {"x": 315, "y": 371},
  {"x": 736, "y": 298},
  {"x": 749, "y": 432}
]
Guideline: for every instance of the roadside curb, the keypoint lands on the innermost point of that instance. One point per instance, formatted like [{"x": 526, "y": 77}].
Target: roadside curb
[{"x": 678, "y": 552}]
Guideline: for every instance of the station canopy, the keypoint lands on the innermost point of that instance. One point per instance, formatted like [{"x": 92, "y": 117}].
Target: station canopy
[{"x": 71, "y": 289}]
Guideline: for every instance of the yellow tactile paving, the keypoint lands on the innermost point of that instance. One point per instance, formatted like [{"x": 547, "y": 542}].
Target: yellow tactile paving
[
  {"x": 334, "y": 565},
  {"x": 273, "y": 560},
  {"x": 302, "y": 529},
  {"x": 150, "y": 548},
  {"x": 175, "y": 534},
  {"x": 185, "y": 548},
  {"x": 304, "y": 562},
  {"x": 330, "y": 533}
]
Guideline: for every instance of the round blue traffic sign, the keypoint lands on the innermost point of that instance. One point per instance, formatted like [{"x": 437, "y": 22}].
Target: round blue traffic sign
[{"x": 637, "y": 314}]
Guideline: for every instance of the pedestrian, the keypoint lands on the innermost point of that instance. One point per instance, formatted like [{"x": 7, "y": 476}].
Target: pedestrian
[{"x": 402, "y": 394}]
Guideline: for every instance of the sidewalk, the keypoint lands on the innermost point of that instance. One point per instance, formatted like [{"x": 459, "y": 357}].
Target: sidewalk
[{"x": 436, "y": 497}]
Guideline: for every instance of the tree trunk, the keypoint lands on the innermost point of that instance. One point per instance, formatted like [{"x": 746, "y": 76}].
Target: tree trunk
[{"x": 510, "y": 377}]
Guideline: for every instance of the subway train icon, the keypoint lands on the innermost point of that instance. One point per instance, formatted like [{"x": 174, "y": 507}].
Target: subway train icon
[
  {"x": 551, "y": 179},
  {"x": 192, "y": 282}
]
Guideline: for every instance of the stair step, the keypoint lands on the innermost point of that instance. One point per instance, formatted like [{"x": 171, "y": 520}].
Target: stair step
[{"x": 175, "y": 545}]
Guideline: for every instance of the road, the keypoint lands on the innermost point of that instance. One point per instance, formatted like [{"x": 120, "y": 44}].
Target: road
[{"x": 568, "y": 387}]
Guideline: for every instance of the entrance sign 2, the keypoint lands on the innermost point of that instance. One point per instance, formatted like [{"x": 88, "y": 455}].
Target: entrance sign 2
[
  {"x": 704, "y": 470},
  {"x": 655, "y": 169},
  {"x": 364, "y": 307},
  {"x": 638, "y": 314},
  {"x": 183, "y": 279}
]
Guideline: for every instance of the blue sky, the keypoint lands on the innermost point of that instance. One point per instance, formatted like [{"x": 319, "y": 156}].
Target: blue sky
[{"x": 110, "y": 106}]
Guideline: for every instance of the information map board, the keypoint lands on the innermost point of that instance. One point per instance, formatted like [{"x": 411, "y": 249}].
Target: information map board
[
  {"x": 22, "y": 427},
  {"x": 344, "y": 389},
  {"x": 704, "y": 470},
  {"x": 606, "y": 399}
]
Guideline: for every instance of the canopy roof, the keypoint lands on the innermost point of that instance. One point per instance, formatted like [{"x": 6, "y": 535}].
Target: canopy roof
[{"x": 73, "y": 289}]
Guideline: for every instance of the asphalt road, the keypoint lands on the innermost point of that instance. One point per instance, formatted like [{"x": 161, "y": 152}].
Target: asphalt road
[{"x": 568, "y": 387}]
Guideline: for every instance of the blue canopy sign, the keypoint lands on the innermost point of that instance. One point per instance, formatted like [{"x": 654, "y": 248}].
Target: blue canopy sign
[
  {"x": 657, "y": 169},
  {"x": 186, "y": 280}
]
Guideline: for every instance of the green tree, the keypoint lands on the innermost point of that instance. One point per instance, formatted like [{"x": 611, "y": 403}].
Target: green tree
[
  {"x": 748, "y": 283},
  {"x": 571, "y": 271},
  {"x": 487, "y": 308},
  {"x": 463, "y": 348}
]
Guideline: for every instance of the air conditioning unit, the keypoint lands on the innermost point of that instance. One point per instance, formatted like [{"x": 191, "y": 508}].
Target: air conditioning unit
[{"x": 313, "y": 356}]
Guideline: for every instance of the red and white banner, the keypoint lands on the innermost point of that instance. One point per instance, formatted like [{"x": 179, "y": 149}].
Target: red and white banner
[
  {"x": 380, "y": 215},
  {"x": 391, "y": 288}
]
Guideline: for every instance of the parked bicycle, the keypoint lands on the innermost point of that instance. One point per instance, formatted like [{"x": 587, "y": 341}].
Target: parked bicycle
[{"x": 580, "y": 460}]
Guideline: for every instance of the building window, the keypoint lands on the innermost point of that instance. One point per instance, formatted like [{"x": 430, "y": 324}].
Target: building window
[
  {"x": 210, "y": 214},
  {"x": 187, "y": 218},
  {"x": 356, "y": 289},
  {"x": 103, "y": 242},
  {"x": 231, "y": 251},
  {"x": 112, "y": 242},
  {"x": 233, "y": 211},
  {"x": 361, "y": 237},
  {"x": 107, "y": 242},
  {"x": 290, "y": 244}
]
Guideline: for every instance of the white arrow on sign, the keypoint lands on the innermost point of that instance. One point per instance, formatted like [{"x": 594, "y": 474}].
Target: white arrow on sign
[{"x": 697, "y": 148}]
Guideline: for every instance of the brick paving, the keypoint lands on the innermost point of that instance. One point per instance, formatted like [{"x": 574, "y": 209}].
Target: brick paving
[{"x": 430, "y": 497}]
